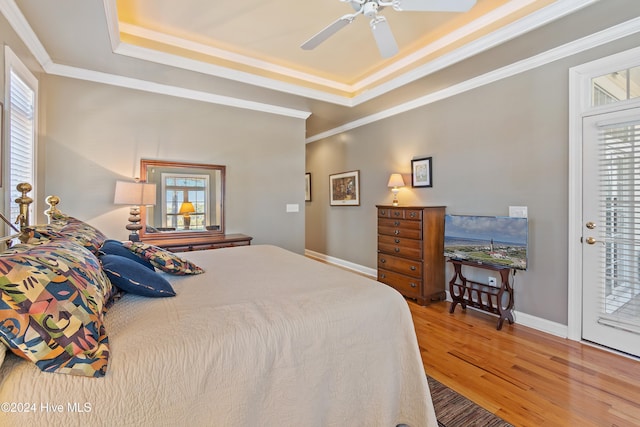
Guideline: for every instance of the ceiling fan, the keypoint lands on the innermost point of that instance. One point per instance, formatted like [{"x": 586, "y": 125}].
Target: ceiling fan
[{"x": 379, "y": 25}]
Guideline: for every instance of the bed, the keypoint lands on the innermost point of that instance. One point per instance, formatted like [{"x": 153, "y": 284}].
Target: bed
[{"x": 263, "y": 337}]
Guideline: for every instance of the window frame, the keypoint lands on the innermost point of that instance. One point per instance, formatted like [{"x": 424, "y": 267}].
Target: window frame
[{"x": 15, "y": 65}]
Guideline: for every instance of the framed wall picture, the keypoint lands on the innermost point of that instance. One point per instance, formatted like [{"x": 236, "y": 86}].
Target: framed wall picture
[
  {"x": 421, "y": 172},
  {"x": 345, "y": 189},
  {"x": 307, "y": 187}
]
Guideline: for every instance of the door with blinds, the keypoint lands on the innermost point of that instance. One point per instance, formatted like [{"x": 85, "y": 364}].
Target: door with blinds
[{"x": 611, "y": 230}]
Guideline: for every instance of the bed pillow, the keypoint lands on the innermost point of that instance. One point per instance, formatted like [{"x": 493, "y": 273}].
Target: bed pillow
[
  {"x": 52, "y": 304},
  {"x": 162, "y": 259},
  {"x": 72, "y": 228},
  {"x": 114, "y": 247},
  {"x": 131, "y": 276}
]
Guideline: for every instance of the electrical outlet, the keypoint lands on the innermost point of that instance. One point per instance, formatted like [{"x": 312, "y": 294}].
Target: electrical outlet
[{"x": 492, "y": 282}]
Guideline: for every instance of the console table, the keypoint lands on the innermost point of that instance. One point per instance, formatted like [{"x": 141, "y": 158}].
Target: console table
[
  {"x": 199, "y": 243},
  {"x": 482, "y": 296}
]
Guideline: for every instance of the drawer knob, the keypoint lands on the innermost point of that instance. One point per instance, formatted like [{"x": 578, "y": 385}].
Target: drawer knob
[
  {"x": 383, "y": 212},
  {"x": 397, "y": 240},
  {"x": 397, "y": 250},
  {"x": 396, "y": 213},
  {"x": 382, "y": 260},
  {"x": 396, "y": 223},
  {"x": 413, "y": 285},
  {"x": 412, "y": 214},
  {"x": 396, "y": 232},
  {"x": 383, "y": 276},
  {"x": 412, "y": 268}
]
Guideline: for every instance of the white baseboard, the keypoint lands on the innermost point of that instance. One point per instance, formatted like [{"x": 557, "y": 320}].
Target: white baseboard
[
  {"x": 371, "y": 272},
  {"x": 524, "y": 319}
]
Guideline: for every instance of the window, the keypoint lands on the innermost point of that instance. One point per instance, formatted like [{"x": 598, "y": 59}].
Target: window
[
  {"x": 614, "y": 87},
  {"x": 21, "y": 101},
  {"x": 186, "y": 201}
]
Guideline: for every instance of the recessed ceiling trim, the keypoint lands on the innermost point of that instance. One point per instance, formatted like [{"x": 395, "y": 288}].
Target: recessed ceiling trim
[
  {"x": 176, "y": 61},
  {"x": 367, "y": 88},
  {"x": 445, "y": 41},
  {"x": 502, "y": 35},
  {"x": 226, "y": 55},
  {"x": 111, "y": 12},
  {"x": 600, "y": 38}
]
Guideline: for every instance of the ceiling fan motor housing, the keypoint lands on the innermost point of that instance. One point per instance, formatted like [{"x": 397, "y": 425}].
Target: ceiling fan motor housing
[{"x": 370, "y": 9}]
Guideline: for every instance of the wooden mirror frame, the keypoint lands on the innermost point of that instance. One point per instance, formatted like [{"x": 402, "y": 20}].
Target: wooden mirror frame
[{"x": 145, "y": 164}]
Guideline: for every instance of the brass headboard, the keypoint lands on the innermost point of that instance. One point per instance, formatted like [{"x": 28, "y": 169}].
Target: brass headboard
[{"x": 24, "y": 233}]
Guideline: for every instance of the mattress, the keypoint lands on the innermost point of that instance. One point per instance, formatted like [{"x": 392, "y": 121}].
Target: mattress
[{"x": 264, "y": 337}]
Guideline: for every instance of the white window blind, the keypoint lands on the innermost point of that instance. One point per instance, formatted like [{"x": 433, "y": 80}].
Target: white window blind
[
  {"x": 619, "y": 198},
  {"x": 21, "y": 120}
]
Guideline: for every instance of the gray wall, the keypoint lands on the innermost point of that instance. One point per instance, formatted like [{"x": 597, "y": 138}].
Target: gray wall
[
  {"x": 498, "y": 145},
  {"x": 94, "y": 134}
]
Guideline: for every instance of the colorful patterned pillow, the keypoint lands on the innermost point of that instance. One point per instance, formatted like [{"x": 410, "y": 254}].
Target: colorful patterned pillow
[
  {"x": 52, "y": 303},
  {"x": 163, "y": 259},
  {"x": 72, "y": 228},
  {"x": 133, "y": 277},
  {"x": 3, "y": 350}
]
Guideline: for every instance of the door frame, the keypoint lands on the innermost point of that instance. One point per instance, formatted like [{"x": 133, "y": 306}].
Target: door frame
[{"x": 579, "y": 108}]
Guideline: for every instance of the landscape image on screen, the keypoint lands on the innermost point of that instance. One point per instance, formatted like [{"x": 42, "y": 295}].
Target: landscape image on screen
[{"x": 493, "y": 240}]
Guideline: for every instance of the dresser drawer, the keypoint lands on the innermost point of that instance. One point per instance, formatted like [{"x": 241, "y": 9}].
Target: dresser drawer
[
  {"x": 411, "y": 267},
  {"x": 406, "y": 285},
  {"x": 391, "y": 213},
  {"x": 406, "y": 229},
  {"x": 408, "y": 248}
]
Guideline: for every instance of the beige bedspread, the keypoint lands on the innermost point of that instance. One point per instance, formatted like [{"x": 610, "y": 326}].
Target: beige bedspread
[{"x": 265, "y": 337}]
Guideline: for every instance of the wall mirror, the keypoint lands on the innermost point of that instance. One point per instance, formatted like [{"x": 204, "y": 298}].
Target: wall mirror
[{"x": 189, "y": 199}]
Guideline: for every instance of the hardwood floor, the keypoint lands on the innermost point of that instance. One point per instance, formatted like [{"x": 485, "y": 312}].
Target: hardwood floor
[{"x": 527, "y": 377}]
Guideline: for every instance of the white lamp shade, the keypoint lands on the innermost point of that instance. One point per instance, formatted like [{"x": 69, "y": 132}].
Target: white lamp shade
[
  {"x": 135, "y": 193},
  {"x": 395, "y": 180}
]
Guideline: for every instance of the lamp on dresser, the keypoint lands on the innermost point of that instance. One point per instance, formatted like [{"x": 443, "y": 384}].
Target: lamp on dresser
[
  {"x": 134, "y": 194},
  {"x": 186, "y": 209},
  {"x": 395, "y": 182}
]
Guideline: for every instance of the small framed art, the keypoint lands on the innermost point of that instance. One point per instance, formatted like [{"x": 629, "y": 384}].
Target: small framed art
[
  {"x": 345, "y": 189},
  {"x": 307, "y": 187},
  {"x": 421, "y": 172}
]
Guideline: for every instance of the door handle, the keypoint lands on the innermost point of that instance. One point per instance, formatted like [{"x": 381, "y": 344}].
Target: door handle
[
  {"x": 590, "y": 225},
  {"x": 591, "y": 240}
]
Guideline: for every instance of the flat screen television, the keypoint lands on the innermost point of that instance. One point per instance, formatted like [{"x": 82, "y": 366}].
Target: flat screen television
[{"x": 492, "y": 240}]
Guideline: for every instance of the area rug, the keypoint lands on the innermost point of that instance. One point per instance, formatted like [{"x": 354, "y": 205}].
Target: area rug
[{"x": 455, "y": 410}]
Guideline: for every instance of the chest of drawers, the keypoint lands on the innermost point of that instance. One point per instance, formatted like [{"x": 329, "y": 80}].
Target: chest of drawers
[{"x": 411, "y": 251}]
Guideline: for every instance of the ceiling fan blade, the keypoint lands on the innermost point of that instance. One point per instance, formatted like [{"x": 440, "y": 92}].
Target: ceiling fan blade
[
  {"x": 384, "y": 37},
  {"x": 327, "y": 32},
  {"x": 434, "y": 5}
]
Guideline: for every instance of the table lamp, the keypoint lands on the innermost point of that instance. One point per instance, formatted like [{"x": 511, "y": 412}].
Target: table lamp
[
  {"x": 185, "y": 209},
  {"x": 395, "y": 181},
  {"x": 135, "y": 194}
]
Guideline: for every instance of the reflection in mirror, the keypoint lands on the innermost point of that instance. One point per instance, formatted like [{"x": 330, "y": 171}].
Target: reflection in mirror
[{"x": 190, "y": 199}]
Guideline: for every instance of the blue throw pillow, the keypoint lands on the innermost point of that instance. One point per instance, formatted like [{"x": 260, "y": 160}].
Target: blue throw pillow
[
  {"x": 130, "y": 276},
  {"x": 114, "y": 247}
]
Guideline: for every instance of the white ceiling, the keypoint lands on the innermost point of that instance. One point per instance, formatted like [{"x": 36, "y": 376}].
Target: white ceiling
[{"x": 246, "y": 53}]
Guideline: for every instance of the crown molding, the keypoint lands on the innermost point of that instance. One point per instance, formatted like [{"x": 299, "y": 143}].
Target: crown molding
[
  {"x": 226, "y": 55},
  {"x": 20, "y": 25},
  {"x": 180, "y": 92},
  {"x": 367, "y": 88},
  {"x": 600, "y": 38}
]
